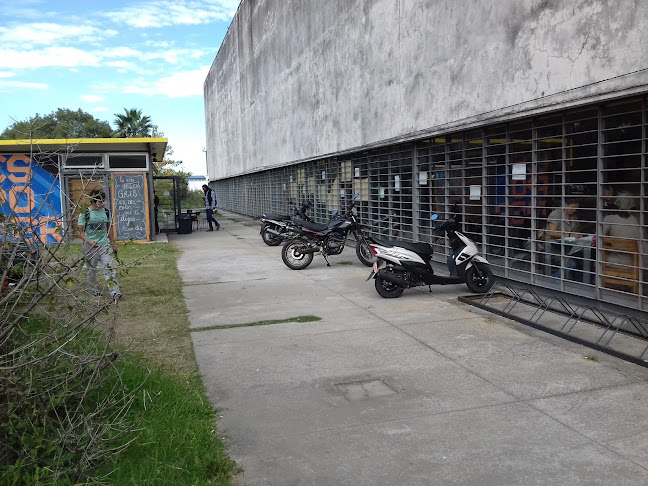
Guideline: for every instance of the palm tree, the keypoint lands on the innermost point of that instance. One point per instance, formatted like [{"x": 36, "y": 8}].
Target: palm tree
[{"x": 131, "y": 123}]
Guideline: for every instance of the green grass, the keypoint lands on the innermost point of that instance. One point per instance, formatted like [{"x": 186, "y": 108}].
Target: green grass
[
  {"x": 261, "y": 323},
  {"x": 176, "y": 442}
]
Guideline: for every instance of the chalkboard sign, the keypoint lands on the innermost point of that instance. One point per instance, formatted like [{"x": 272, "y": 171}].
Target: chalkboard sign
[{"x": 129, "y": 205}]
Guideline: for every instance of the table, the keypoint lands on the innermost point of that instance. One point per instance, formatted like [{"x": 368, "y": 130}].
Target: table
[{"x": 580, "y": 266}]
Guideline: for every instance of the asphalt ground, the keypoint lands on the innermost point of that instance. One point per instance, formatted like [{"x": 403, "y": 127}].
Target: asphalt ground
[{"x": 419, "y": 390}]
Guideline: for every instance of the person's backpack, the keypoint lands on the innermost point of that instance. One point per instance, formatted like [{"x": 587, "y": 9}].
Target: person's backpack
[{"x": 87, "y": 218}]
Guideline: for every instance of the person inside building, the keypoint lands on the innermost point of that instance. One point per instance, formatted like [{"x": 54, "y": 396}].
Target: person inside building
[
  {"x": 94, "y": 229},
  {"x": 210, "y": 207},
  {"x": 622, "y": 224},
  {"x": 563, "y": 226},
  {"x": 609, "y": 201}
]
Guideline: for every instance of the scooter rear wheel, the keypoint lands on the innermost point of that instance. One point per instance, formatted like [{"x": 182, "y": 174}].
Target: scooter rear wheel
[
  {"x": 388, "y": 290},
  {"x": 479, "y": 278}
]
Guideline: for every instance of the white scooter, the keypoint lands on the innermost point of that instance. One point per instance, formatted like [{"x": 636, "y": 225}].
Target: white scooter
[{"x": 409, "y": 264}]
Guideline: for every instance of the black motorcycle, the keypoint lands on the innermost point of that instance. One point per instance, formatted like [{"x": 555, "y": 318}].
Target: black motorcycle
[
  {"x": 327, "y": 239},
  {"x": 275, "y": 228}
]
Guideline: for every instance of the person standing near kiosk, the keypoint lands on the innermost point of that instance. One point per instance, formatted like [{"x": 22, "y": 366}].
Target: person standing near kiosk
[
  {"x": 99, "y": 245},
  {"x": 210, "y": 207}
]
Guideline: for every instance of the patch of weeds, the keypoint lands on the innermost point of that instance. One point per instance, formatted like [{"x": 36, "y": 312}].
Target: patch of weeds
[
  {"x": 233, "y": 220},
  {"x": 261, "y": 323},
  {"x": 345, "y": 263},
  {"x": 591, "y": 358}
]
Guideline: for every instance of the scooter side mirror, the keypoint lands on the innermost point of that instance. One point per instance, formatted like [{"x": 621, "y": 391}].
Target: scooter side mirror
[{"x": 434, "y": 217}]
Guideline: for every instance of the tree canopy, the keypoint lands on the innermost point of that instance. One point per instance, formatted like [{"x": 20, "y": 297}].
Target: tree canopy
[
  {"x": 131, "y": 123},
  {"x": 62, "y": 123}
]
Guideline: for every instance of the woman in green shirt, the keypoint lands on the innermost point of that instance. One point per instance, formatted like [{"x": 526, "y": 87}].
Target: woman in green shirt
[{"x": 98, "y": 244}]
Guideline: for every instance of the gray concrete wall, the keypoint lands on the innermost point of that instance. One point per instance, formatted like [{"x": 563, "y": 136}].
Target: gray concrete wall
[{"x": 297, "y": 79}]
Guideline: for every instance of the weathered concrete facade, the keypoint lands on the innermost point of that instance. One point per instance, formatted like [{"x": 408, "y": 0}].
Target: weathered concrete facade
[{"x": 296, "y": 80}]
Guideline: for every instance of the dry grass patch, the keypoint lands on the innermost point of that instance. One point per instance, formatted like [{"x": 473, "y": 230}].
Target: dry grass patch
[{"x": 153, "y": 318}]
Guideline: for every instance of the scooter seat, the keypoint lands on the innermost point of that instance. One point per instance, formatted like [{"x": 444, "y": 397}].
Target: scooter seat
[
  {"x": 420, "y": 248},
  {"x": 311, "y": 226}
]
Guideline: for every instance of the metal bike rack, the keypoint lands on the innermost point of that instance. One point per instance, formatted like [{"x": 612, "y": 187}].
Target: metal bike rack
[{"x": 619, "y": 335}]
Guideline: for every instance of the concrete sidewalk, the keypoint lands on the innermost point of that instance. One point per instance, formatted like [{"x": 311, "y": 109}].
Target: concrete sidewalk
[{"x": 416, "y": 390}]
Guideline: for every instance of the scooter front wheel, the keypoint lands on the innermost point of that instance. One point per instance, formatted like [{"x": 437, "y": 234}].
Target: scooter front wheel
[
  {"x": 292, "y": 255},
  {"x": 479, "y": 278},
  {"x": 388, "y": 290}
]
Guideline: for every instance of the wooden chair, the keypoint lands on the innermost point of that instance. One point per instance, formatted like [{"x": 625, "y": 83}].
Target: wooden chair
[{"x": 616, "y": 275}]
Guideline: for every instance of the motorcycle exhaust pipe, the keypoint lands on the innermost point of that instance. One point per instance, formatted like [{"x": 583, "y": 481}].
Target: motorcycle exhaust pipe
[
  {"x": 273, "y": 231},
  {"x": 393, "y": 278}
]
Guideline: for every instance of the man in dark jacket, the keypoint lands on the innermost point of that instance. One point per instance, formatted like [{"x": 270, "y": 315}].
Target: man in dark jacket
[{"x": 210, "y": 207}]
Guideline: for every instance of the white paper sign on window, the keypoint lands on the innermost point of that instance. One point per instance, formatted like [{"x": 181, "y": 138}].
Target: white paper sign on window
[
  {"x": 475, "y": 193},
  {"x": 519, "y": 172},
  {"x": 381, "y": 192},
  {"x": 342, "y": 192},
  {"x": 423, "y": 178},
  {"x": 357, "y": 171},
  {"x": 323, "y": 175},
  {"x": 396, "y": 183}
]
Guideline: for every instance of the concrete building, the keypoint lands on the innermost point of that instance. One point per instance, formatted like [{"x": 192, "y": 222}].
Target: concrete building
[{"x": 502, "y": 112}]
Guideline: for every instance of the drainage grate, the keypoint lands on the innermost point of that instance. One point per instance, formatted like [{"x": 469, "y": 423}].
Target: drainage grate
[
  {"x": 619, "y": 335},
  {"x": 365, "y": 390}
]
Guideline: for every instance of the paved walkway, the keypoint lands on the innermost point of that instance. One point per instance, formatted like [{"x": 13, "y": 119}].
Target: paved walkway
[{"x": 419, "y": 390}]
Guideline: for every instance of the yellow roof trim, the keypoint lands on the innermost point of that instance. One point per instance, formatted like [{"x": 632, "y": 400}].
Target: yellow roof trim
[{"x": 81, "y": 141}]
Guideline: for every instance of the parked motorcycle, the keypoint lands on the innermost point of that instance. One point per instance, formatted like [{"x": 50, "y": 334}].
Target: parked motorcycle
[
  {"x": 275, "y": 228},
  {"x": 410, "y": 264},
  {"x": 327, "y": 239}
]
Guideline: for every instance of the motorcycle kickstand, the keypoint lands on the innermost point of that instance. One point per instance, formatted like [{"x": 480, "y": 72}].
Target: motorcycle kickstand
[{"x": 327, "y": 262}]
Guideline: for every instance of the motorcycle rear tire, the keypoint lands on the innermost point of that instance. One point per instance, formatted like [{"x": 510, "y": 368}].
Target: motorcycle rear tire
[
  {"x": 293, "y": 258},
  {"x": 270, "y": 239},
  {"x": 388, "y": 290},
  {"x": 479, "y": 284},
  {"x": 364, "y": 253}
]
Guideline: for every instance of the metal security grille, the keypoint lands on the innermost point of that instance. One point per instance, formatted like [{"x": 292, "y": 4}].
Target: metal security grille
[{"x": 511, "y": 185}]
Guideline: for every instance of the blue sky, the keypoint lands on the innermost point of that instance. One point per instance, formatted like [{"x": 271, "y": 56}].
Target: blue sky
[{"x": 104, "y": 56}]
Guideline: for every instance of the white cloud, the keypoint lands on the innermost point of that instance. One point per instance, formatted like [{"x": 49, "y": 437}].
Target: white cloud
[
  {"x": 123, "y": 66},
  {"x": 91, "y": 98},
  {"x": 179, "y": 85},
  {"x": 176, "y": 12},
  {"x": 175, "y": 56},
  {"x": 4, "y": 74},
  {"x": 48, "y": 57},
  {"x": 26, "y": 36},
  {"x": 121, "y": 52},
  {"x": 6, "y": 85}
]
